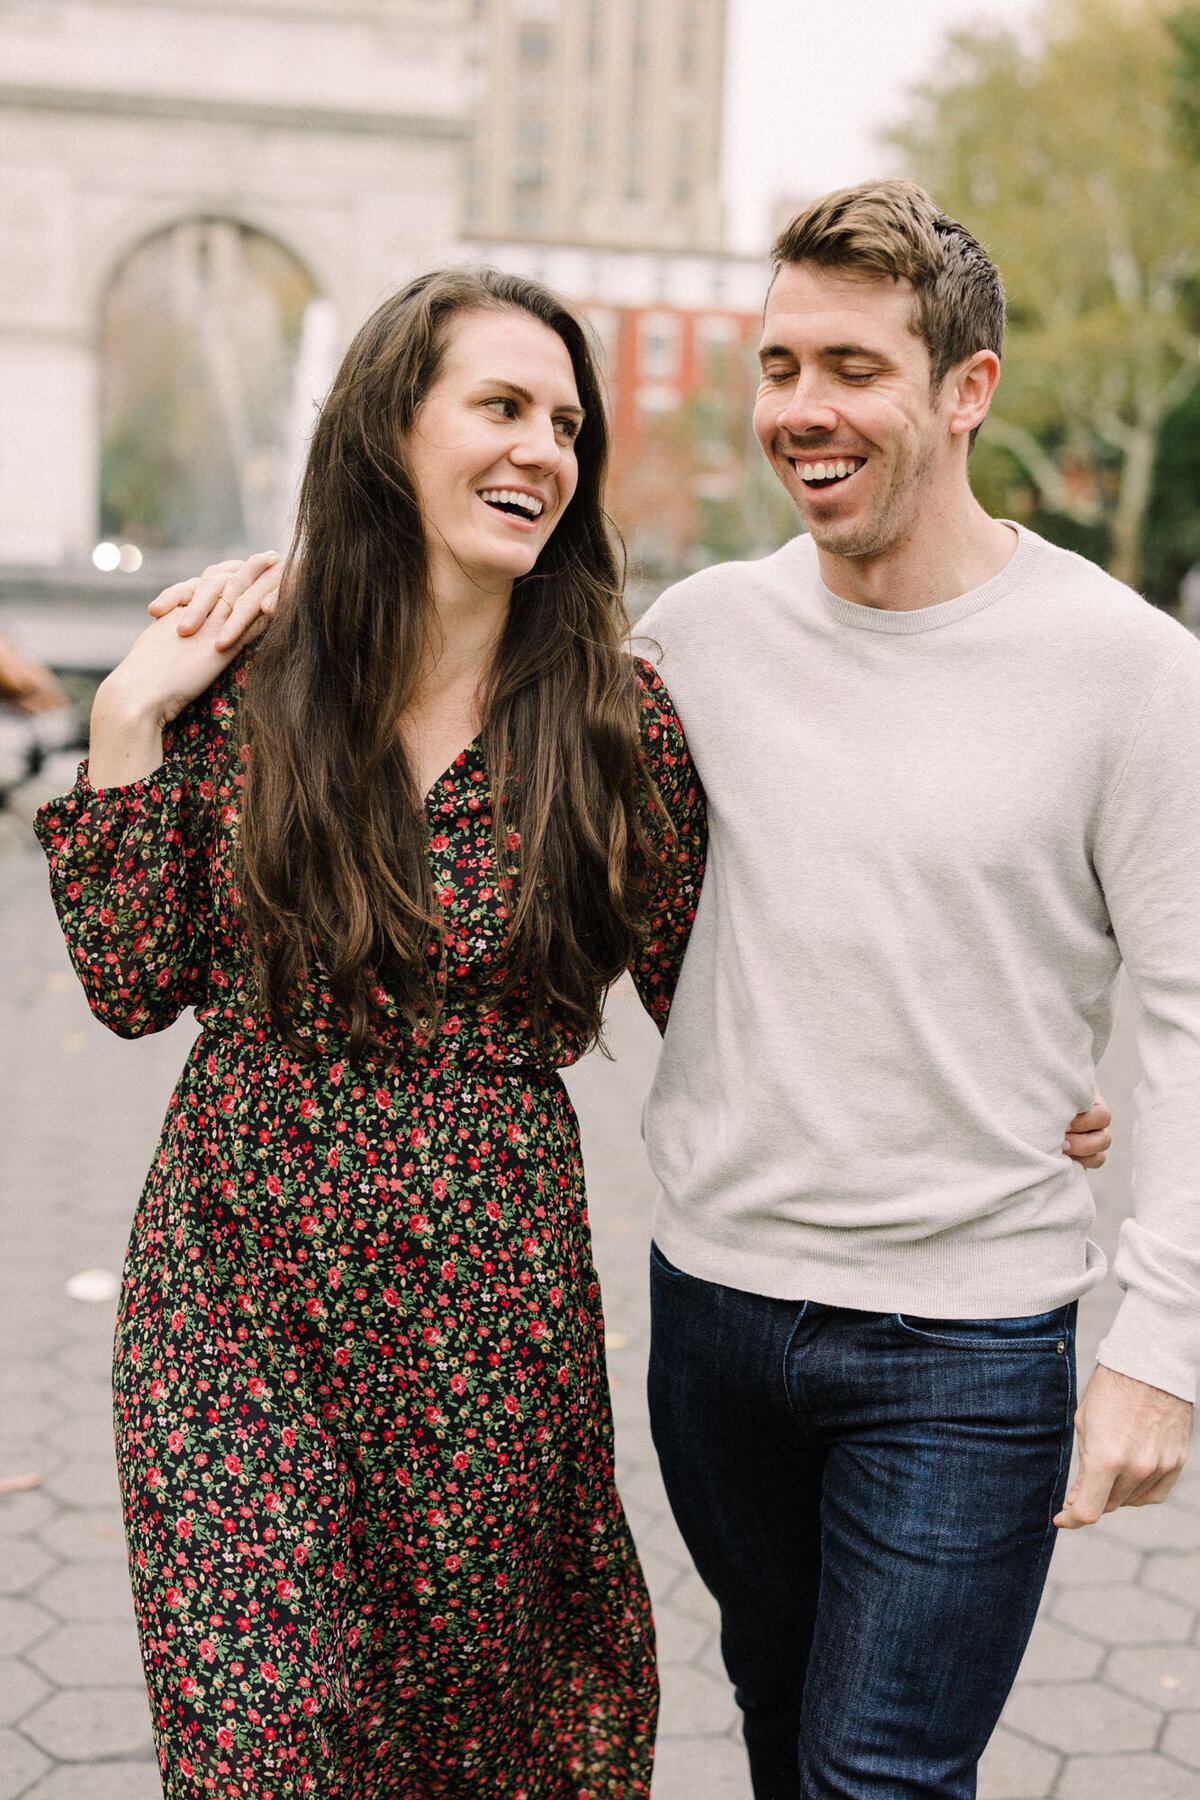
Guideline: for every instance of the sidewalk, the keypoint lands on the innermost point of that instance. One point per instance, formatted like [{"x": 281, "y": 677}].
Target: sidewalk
[{"x": 1108, "y": 1705}]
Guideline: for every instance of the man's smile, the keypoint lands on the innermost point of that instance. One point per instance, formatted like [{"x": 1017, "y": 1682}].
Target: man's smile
[{"x": 826, "y": 472}]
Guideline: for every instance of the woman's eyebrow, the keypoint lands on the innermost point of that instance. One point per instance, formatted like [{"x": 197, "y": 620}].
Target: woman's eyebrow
[{"x": 524, "y": 394}]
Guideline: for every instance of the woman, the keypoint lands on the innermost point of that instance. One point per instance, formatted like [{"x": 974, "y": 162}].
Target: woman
[{"x": 393, "y": 858}]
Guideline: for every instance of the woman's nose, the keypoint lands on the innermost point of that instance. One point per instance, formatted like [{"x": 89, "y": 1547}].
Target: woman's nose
[{"x": 538, "y": 443}]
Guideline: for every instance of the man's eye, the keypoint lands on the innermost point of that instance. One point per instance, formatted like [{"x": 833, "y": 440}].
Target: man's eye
[
  {"x": 858, "y": 375},
  {"x": 775, "y": 376}
]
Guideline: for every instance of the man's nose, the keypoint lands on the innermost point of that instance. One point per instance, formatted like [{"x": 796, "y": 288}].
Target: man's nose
[{"x": 808, "y": 407}]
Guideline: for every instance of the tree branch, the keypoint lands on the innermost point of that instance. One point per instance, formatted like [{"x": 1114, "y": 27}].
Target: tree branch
[{"x": 1044, "y": 472}]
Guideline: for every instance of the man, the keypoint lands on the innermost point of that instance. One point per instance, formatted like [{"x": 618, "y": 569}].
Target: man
[{"x": 953, "y": 777}]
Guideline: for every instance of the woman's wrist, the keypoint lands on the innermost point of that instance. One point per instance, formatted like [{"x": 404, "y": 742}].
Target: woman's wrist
[{"x": 126, "y": 736}]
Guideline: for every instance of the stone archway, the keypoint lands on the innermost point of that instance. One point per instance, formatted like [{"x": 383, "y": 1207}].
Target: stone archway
[
  {"x": 214, "y": 345},
  {"x": 335, "y": 129}
]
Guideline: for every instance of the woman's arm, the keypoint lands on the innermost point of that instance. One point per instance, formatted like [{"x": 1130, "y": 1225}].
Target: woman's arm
[
  {"x": 675, "y": 886},
  {"x": 128, "y": 847}
]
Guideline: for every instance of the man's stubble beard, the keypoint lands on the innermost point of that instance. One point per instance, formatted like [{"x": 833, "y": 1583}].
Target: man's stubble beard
[{"x": 892, "y": 517}]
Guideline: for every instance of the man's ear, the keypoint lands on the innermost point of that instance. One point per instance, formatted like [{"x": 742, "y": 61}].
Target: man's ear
[{"x": 969, "y": 390}]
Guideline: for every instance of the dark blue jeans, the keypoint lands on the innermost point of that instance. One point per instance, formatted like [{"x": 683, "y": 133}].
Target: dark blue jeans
[{"x": 869, "y": 1497}]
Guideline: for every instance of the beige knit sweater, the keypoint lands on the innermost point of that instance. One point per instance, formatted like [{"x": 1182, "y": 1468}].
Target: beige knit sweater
[{"x": 935, "y": 836}]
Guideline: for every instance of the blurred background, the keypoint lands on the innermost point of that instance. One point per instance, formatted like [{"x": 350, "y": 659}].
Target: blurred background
[{"x": 201, "y": 202}]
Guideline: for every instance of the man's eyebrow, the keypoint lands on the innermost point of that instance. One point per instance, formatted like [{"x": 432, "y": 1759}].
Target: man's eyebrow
[
  {"x": 831, "y": 352},
  {"x": 498, "y": 381}
]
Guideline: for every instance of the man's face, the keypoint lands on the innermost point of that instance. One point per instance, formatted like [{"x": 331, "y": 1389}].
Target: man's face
[{"x": 846, "y": 412}]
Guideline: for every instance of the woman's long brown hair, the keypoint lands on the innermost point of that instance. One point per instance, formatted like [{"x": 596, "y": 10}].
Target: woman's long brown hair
[{"x": 335, "y": 878}]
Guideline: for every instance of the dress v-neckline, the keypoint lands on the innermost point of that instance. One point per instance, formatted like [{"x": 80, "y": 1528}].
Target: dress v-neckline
[{"x": 438, "y": 779}]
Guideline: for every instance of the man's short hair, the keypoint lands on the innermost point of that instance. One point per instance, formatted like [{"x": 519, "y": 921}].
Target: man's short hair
[{"x": 893, "y": 228}]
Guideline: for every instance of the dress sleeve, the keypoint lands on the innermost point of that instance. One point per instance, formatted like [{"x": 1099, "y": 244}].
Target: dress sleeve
[
  {"x": 129, "y": 870},
  {"x": 675, "y": 886}
]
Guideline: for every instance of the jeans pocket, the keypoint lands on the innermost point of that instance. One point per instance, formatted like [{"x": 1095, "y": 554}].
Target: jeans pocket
[{"x": 1052, "y": 1330}]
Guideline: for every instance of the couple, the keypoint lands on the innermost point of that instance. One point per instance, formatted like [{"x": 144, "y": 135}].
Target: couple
[{"x": 393, "y": 857}]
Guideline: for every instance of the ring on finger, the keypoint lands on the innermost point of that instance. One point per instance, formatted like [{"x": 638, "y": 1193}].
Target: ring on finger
[{"x": 226, "y": 602}]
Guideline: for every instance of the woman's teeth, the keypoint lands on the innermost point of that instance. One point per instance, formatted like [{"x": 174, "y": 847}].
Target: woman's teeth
[
  {"x": 830, "y": 471},
  {"x": 509, "y": 498}
]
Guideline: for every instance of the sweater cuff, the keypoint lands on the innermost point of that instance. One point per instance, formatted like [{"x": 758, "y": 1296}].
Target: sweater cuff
[{"x": 1153, "y": 1346}]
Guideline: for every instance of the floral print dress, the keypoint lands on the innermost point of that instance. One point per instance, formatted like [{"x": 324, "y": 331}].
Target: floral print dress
[{"x": 363, "y": 1427}]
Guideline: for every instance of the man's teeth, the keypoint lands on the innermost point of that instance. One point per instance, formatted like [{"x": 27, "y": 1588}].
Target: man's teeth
[
  {"x": 509, "y": 497},
  {"x": 831, "y": 471}
]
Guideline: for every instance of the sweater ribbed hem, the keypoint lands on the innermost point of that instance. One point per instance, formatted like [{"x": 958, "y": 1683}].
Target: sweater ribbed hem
[{"x": 955, "y": 1275}]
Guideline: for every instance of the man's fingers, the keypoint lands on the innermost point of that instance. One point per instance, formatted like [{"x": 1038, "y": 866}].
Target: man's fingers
[
  {"x": 1154, "y": 1491},
  {"x": 1088, "y": 1498}
]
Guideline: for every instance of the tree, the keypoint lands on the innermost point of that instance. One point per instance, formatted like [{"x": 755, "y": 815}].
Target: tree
[{"x": 1063, "y": 156}]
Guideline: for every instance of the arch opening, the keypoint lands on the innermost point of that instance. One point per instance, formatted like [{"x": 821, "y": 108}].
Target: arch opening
[{"x": 215, "y": 348}]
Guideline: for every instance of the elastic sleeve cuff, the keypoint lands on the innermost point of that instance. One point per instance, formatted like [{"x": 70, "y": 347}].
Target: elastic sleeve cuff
[{"x": 1152, "y": 1344}]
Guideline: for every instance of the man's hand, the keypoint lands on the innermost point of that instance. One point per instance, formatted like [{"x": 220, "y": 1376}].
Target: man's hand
[
  {"x": 1088, "y": 1138},
  {"x": 1133, "y": 1441}
]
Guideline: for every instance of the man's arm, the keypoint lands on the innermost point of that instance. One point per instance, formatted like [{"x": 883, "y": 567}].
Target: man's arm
[{"x": 1135, "y": 1420}]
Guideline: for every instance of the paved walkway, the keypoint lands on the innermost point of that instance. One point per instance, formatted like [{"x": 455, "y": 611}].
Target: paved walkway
[{"x": 1108, "y": 1705}]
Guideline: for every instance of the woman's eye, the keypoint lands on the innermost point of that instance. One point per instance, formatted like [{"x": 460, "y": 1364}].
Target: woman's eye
[
  {"x": 567, "y": 428},
  {"x": 507, "y": 407}
]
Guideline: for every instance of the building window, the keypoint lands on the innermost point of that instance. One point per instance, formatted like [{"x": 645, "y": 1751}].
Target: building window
[
  {"x": 532, "y": 132},
  {"x": 658, "y": 346},
  {"x": 534, "y": 44},
  {"x": 528, "y": 218},
  {"x": 529, "y": 175}
]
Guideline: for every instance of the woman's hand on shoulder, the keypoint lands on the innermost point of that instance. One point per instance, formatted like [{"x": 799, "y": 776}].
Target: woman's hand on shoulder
[
  {"x": 243, "y": 594},
  {"x": 161, "y": 673}
]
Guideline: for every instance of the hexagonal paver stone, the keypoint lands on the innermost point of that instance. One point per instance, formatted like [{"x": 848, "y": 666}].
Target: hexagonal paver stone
[
  {"x": 1074, "y": 1716},
  {"x": 20, "y": 1689},
  {"x": 694, "y": 1705},
  {"x": 20, "y": 1763},
  {"x": 22, "y": 1623},
  {"x": 1163, "y": 1527},
  {"x": 695, "y": 1768},
  {"x": 1056, "y": 1654},
  {"x": 22, "y": 1564},
  {"x": 86, "y": 1481},
  {"x": 1177, "y": 1576},
  {"x": 1083, "y": 1556},
  {"x": 86, "y": 1536},
  {"x": 104, "y": 1781},
  {"x": 680, "y": 1637},
  {"x": 91, "y": 1723},
  {"x": 1166, "y": 1675},
  {"x": 90, "y": 1591},
  {"x": 1181, "y": 1739},
  {"x": 22, "y": 1513},
  {"x": 1014, "y": 1769},
  {"x": 1124, "y": 1614},
  {"x": 90, "y": 1655},
  {"x": 1125, "y": 1778}
]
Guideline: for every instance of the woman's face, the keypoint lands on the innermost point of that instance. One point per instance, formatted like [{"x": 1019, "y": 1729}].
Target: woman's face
[{"x": 492, "y": 450}]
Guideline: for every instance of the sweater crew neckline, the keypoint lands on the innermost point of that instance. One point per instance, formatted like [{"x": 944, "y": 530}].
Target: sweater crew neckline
[{"x": 947, "y": 612}]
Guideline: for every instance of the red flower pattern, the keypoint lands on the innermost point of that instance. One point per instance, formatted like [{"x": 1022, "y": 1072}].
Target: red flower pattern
[{"x": 363, "y": 1427}]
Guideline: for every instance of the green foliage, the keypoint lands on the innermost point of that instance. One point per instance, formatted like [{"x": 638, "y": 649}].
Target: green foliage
[
  {"x": 1065, "y": 159},
  {"x": 1172, "y": 541},
  {"x": 1184, "y": 74}
]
